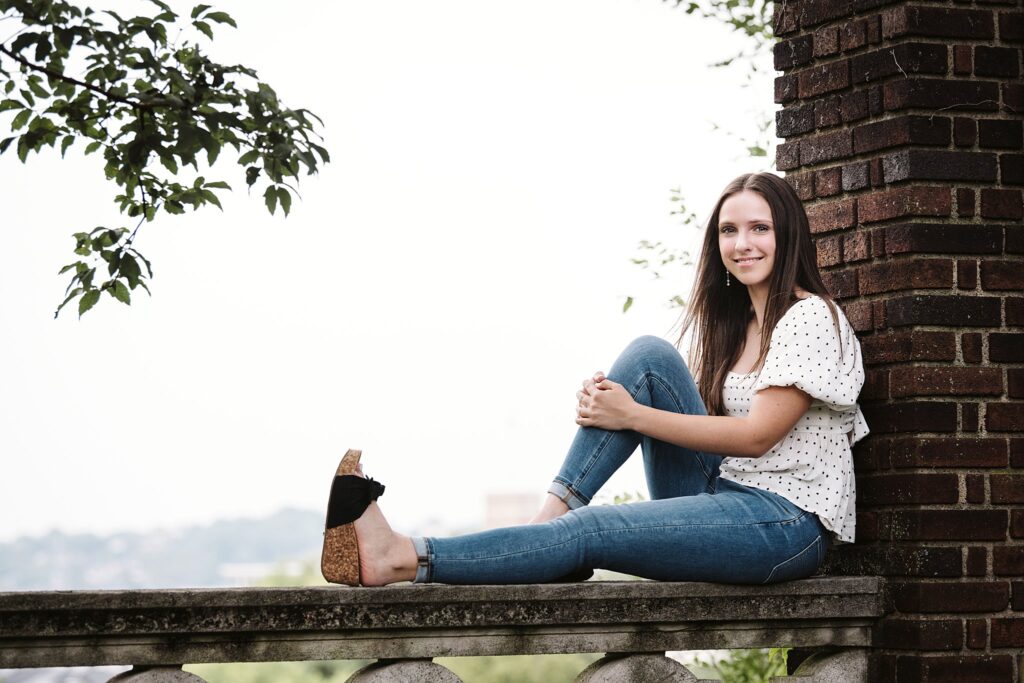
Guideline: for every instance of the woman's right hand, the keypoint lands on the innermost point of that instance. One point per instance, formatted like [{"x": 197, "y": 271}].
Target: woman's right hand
[{"x": 589, "y": 388}]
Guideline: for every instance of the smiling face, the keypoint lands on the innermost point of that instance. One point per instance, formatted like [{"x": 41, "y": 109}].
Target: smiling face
[{"x": 746, "y": 238}]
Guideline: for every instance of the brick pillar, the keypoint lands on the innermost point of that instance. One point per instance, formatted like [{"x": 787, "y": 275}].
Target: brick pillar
[{"x": 903, "y": 135}]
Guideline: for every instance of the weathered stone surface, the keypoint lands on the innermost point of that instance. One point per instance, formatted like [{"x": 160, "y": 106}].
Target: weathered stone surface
[
  {"x": 156, "y": 674},
  {"x": 616, "y": 668},
  {"x": 415, "y": 621},
  {"x": 845, "y": 666},
  {"x": 407, "y": 671}
]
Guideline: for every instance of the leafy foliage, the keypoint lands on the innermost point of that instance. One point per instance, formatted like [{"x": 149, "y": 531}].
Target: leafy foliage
[
  {"x": 152, "y": 105},
  {"x": 751, "y": 18},
  {"x": 749, "y": 666}
]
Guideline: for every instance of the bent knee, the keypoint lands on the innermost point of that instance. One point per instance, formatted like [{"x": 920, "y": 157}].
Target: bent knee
[{"x": 649, "y": 347}]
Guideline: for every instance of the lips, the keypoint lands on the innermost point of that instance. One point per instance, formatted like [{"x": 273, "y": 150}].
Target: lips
[{"x": 748, "y": 261}]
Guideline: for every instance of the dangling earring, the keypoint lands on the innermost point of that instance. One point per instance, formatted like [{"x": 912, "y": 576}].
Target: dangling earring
[{"x": 727, "y": 282}]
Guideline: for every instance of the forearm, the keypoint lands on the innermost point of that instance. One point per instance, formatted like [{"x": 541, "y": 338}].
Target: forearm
[{"x": 724, "y": 435}]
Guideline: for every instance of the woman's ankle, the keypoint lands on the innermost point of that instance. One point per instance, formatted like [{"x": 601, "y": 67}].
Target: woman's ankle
[{"x": 552, "y": 508}]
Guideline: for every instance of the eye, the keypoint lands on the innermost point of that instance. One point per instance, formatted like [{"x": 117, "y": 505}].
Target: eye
[
  {"x": 726, "y": 228},
  {"x": 762, "y": 227}
]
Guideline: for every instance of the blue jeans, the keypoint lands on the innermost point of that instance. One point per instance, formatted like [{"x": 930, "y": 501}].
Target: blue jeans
[{"x": 697, "y": 527}]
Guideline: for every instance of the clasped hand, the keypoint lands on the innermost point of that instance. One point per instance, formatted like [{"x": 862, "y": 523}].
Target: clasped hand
[{"x": 605, "y": 404}]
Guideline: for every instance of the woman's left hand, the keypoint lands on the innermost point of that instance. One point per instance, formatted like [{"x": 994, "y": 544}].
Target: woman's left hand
[{"x": 607, "y": 405}]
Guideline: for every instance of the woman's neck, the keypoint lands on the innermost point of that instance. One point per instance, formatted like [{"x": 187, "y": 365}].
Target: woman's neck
[{"x": 759, "y": 300}]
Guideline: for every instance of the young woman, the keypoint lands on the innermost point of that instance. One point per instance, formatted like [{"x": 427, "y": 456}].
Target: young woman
[{"x": 747, "y": 461}]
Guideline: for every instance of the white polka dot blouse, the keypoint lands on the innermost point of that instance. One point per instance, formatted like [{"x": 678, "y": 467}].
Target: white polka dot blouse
[{"x": 812, "y": 466}]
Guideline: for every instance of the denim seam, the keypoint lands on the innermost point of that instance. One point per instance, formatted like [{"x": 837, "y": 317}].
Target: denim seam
[
  {"x": 648, "y": 377},
  {"x": 771, "y": 574},
  {"x": 632, "y": 529},
  {"x": 589, "y": 466}
]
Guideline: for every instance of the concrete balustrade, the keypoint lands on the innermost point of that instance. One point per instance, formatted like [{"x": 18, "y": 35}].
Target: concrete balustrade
[{"x": 405, "y": 626}]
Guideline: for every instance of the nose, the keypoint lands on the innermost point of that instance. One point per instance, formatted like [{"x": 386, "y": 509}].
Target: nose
[{"x": 741, "y": 240}]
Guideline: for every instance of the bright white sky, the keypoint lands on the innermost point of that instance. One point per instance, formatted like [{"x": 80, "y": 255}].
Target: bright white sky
[{"x": 434, "y": 299}]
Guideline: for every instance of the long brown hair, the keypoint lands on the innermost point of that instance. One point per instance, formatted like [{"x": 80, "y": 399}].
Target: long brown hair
[{"x": 720, "y": 314}]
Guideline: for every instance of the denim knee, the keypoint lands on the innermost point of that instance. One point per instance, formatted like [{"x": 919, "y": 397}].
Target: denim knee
[{"x": 649, "y": 351}]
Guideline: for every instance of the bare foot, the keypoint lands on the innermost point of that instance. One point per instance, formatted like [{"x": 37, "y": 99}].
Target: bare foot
[
  {"x": 384, "y": 555},
  {"x": 552, "y": 508}
]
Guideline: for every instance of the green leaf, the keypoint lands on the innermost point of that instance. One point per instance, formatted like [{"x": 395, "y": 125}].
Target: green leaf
[
  {"x": 199, "y": 9},
  {"x": 129, "y": 268},
  {"x": 204, "y": 28},
  {"x": 248, "y": 157},
  {"x": 11, "y": 104},
  {"x": 285, "y": 199},
  {"x": 626, "y": 306},
  {"x": 221, "y": 18},
  {"x": 88, "y": 300},
  {"x": 21, "y": 119},
  {"x": 92, "y": 147},
  {"x": 75, "y": 292},
  {"x": 65, "y": 143},
  {"x": 37, "y": 89},
  {"x": 270, "y": 198},
  {"x": 120, "y": 292},
  {"x": 5, "y": 144}
]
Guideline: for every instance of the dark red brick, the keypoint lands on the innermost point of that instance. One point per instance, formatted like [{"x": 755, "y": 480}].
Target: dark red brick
[
  {"x": 913, "y": 634},
  {"x": 936, "y": 93},
  {"x": 854, "y": 35},
  {"x": 790, "y": 53},
  {"x": 802, "y": 183},
  {"x": 853, "y": 106},
  {"x": 1007, "y": 488},
  {"x": 995, "y": 133},
  {"x": 1013, "y": 96},
  {"x": 855, "y": 176},
  {"x": 902, "y": 202},
  {"x": 818, "y": 80},
  {"x": 827, "y": 112},
  {"x": 968, "y": 596},
  {"x": 832, "y": 215},
  {"x": 965, "y": 202},
  {"x": 920, "y": 416},
  {"x": 965, "y": 131},
  {"x": 1011, "y": 26},
  {"x": 874, "y": 29},
  {"x": 1017, "y": 523},
  {"x": 842, "y": 284},
  {"x": 947, "y": 525},
  {"x": 1015, "y": 383},
  {"x": 787, "y": 156},
  {"x": 1008, "y": 632},
  {"x": 785, "y": 89},
  {"x": 999, "y": 62},
  {"x": 920, "y": 164},
  {"x": 947, "y": 452},
  {"x": 813, "y": 12},
  {"x": 937, "y": 22},
  {"x": 1001, "y": 204},
  {"x": 1006, "y": 347},
  {"x": 904, "y": 489},
  {"x": 975, "y": 485},
  {"x": 956, "y": 669},
  {"x": 826, "y": 42},
  {"x": 904, "y": 274},
  {"x": 825, "y": 147},
  {"x": 969, "y": 423},
  {"x": 996, "y": 275},
  {"x": 977, "y": 633},
  {"x": 930, "y": 238},
  {"x": 945, "y": 381},
  {"x": 828, "y": 182},
  {"x": 855, "y": 248},
  {"x": 968, "y": 311},
  {"x": 906, "y": 58},
  {"x": 1004, "y": 417},
  {"x": 794, "y": 121},
  {"x": 785, "y": 18},
  {"x": 1008, "y": 560},
  {"x": 963, "y": 60},
  {"x": 900, "y": 131},
  {"x": 830, "y": 250},
  {"x": 1011, "y": 169},
  {"x": 916, "y": 345},
  {"x": 970, "y": 345},
  {"x": 1017, "y": 453}
]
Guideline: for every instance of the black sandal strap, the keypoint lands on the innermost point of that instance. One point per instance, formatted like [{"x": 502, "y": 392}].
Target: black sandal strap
[{"x": 350, "y": 496}]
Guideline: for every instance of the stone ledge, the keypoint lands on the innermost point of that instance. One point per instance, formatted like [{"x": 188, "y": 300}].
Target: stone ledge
[{"x": 151, "y": 627}]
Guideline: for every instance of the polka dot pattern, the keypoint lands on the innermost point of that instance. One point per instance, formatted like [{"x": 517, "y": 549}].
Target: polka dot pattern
[{"x": 812, "y": 466}]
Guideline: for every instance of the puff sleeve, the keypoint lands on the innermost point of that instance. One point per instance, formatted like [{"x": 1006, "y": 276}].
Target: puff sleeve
[{"x": 808, "y": 352}]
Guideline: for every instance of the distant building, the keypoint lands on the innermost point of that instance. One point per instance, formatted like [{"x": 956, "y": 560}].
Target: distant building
[{"x": 509, "y": 509}]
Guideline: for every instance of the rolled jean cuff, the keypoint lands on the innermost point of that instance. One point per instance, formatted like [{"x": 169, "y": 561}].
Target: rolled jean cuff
[
  {"x": 567, "y": 495},
  {"x": 422, "y": 547}
]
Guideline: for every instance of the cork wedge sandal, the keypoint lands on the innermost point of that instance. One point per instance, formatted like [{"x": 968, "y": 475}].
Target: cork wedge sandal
[{"x": 350, "y": 496}]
